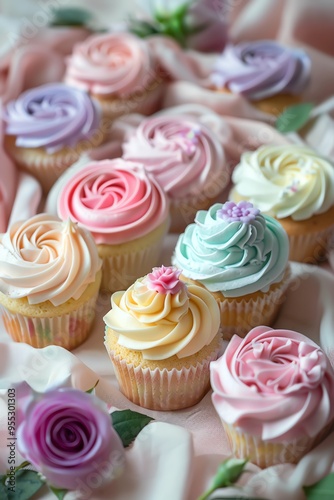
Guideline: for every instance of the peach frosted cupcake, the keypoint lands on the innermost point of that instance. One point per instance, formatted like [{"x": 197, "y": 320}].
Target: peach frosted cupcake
[
  {"x": 161, "y": 336},
  {"x": 241, "y": 257},
  {"x": 120, "y": 71},
  {"x": 273, "y": 391},
  {"x": 47, "y": 129},
  {"x": 187, "y": 158},
  {"x": 295, "y": 185},
  {"x": 267, "y": 73},
  {"x": 49, "y": 281},
  {"x": 126, "y": 211}
]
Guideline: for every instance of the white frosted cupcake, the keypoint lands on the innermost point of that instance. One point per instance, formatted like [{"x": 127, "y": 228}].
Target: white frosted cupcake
[
  {"x": 50, "y": 275},
  {"x": 161, "y": 336},
  {"x": 273, "y": 391},
  {"x": 185, "y": 154},
  {"x": 295, "y": 185}
]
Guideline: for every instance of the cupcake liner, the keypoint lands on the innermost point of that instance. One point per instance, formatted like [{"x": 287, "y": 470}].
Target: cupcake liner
[
  {"x": 240, "y": 316},
  {"x": 119, "y": 271},
  {"x": 68, "y": 330},
  {"x": 165, "y": 389},
  {"x": 311, "y": 248},
  {"x": 265, "y": 453}
]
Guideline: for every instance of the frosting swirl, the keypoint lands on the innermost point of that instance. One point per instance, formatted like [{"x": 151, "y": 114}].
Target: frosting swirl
[
  {"x": 182, "y": 153},
  {"x": 285, "y": 181},
  {"x": 115, "y": 199},
  {"x": 45, "y": 258},
  {"x": 51, "y": 116},
  {"x": 231, "y": 256},
  {"x": 276, "y": 384},
  {"x": 112, "y": 63},
  {"x": 262, "y": 69},
  {"x": 163, "y": 324}
]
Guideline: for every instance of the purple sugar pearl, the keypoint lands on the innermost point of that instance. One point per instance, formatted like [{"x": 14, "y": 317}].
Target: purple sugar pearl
[{"x": 244, "y": 211}]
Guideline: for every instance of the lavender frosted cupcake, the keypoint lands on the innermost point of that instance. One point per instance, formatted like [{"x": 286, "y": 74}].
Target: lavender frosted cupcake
[
  {"x": 265, "y": 72},
  {"x": 47, "y": 129}
]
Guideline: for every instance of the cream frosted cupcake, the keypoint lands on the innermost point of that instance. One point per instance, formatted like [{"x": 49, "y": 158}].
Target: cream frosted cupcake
[
  {"x": 186, "y": 157},
  {"x": 126, "y": 211},
  {"x": 241, "y": 257},
  {"x": 267, "y": 73},
  {"x": 120, "y": 71},
  {"x": 49, "y": 281},
  {"x": 295, "y": 185},
  {"x": 273, "y": 391},
  {"x": 161, "y": 336},
  {"x": 47, "y": 129}
]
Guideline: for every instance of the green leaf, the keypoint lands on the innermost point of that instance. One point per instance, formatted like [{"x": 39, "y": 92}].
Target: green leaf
[
  {"x": 294, "y": 117},
  {"x": 59, "y": 493},
  {"x": 3, "y": 489},
  {"x": 142, "y": 28},
  {"x": 228, "y": 472},
  {"x": 27, "y": 483},
  {"x": 323, "y": 490},
  {"x": 70, "y": 16},
  {"x": 128, "y": 424},
  {"x": 92, "y": 388}
]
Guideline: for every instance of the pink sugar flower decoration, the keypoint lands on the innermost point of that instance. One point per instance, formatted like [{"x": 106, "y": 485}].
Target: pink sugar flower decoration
[
  {"x": 165, "y": 280},
  {"x": 244, "y": 211}
]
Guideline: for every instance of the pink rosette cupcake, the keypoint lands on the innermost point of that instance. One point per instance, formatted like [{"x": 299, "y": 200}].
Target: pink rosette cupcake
[
  {"x": 273, "y": 391},
  {"x": 50, "y": 275},
  {"x": 126, "y": 211},
  {"x": 161, "y": 336},
  {"x": 119, "y": 70},
  {"x": 265, "y": 72},
  {"x": 186, "y": 157},
  {"x": 47, "y": 129}
]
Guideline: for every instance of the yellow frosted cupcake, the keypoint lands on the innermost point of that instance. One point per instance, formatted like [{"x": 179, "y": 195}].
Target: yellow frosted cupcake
[
  {"x": 49, "y": 281},
  {"x": 47, "y": 129},
  {"x": 273, "y": 391},
  {"x": 295, "y": 185},
  {"x": 161, "y": 336},
  {"x": 241, "y": 257},
  {"x": 268, "y": 74}
]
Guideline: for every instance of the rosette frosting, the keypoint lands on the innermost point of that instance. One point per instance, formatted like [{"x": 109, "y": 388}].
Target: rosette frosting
[
  {"x": 115, "y": 199},
  {"x": 233, "y": 249},
  {"x": 112, "y": 63},
  {"x": 274, "y": 384},
  {"x": 285, "y": 181},
  {"x": 51, "y": 116},
  {"x": 180, "y": 152},
  {"x": 45, "y": 258},
  {"x": 161, "y": 316},
  {"x": 262, "y": 69}
]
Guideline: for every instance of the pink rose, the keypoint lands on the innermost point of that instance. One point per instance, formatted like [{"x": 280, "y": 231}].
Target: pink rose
[
  {"x": 165, "y": 280},
  {"x": 67, "y": 435}
]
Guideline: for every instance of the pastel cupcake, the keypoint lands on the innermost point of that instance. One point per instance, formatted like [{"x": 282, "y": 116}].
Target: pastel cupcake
[
  {"x": 49, "y": 281},
  {"x": 267, "y": 73},
  {"x": 47, "y": 129},
  {"x": 161, "y": 336},
  {"x": 126, "y": 211},
  {"x": 186, "y": 157},
  {"x": 273, "y": 391},
  {"x": 120, "y": 71},
  {"x": 241, "y": 257},
  {"x": 295, "y": 185}
]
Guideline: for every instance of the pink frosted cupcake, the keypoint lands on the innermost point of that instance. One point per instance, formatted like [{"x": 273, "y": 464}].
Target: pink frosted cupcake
[
  {"x": 49, "y": 281},
  {"x": 47, "y": 129},
  {"x": 161, "y": 336},
  {"x": 120, "y": 71},
  {"x": 186, "y": 157},
  {"x": 273, "y": 391},
  {"x": 126, "y": 211}
]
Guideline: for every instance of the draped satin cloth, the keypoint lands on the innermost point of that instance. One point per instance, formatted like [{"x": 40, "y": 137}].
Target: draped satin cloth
[{"x": 28, "y": 60}]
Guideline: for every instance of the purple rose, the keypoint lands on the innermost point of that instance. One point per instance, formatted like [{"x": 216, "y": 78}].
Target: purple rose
[{"x": 67, "y": 435}]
